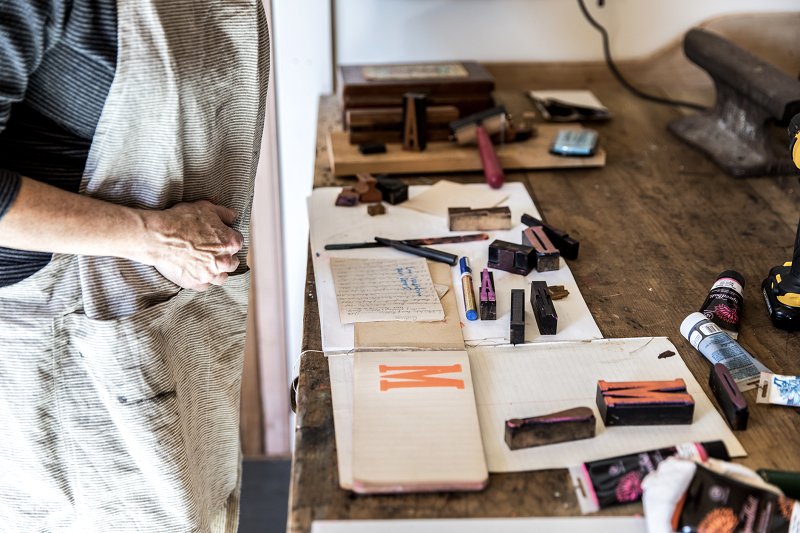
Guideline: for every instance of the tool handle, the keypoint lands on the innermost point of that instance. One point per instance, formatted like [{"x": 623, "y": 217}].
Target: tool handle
[
  {"x": 351, "y": 246},
  {"x": 491, "y": 166},
  {"x": 428, "y": 253}
]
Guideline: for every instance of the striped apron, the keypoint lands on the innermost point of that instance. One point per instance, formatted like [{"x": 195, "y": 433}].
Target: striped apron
[{"x": 119, "y": 391}]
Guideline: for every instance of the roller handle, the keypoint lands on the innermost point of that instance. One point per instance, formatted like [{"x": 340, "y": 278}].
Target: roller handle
[{"x": 491, "y": 166}]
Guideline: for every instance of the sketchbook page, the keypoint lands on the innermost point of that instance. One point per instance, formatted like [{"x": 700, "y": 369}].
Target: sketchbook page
[
  {"x": 429, "y": 335},
  {"x": 331, "y": 224},
  {"x": 380, "y": 290},
  {"x": 340, "y": 367},
  {"x": 415, "y": 427},
  {"x": 569, "y": 524},
  {"x": 572, "y": 97},
  {"x": 537, "y": 379},
  {"x": 444, "y": 194}
]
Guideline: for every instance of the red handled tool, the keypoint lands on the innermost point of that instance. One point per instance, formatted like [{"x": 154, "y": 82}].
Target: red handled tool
[{"x": 478, "y": 128}]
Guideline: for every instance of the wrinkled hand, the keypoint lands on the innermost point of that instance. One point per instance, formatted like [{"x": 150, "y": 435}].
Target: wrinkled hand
[{"x": 193, "y": 245}]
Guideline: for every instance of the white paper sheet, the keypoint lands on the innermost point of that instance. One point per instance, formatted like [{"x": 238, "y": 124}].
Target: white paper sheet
[
  {"x": 331, "y": 224},
  {"x": 381, "y": 290},
  {"x": 340, "y": 366},
  {"x": 579, "y": 98},
  {"x": 532, "y": 380},
  {"x": 593, "y": 524}
]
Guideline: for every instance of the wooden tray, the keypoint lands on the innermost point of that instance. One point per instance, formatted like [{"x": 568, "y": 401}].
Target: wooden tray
[{"x": 449, "y": 156}]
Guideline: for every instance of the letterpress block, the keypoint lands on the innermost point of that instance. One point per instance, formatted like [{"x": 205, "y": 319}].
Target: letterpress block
[
  {"x": 367, "y": 189},
  {"x": 573, "y": 424},
  {"x": 517, "y": 316},
  {"x": 393, "y": 190},
  {"x": 489, "y": 219},
  {"x": 729, "y": 397},
  {"x": 415, "y": 121},
  {"x": 547, "y": 256},
  {"x": 560, "y": 239},
  {"x": 488, "y": 299},
  {"x": 347, "y": 198},
  {"x": 543, "y": 309},
  {"x": 376, "y": 209},
  {"x": 644, "y": 403},
  {"x": 514, "y": 258}
]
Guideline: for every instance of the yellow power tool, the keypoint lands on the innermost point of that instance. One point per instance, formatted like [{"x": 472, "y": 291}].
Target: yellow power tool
[{"x": 782, "y": 287}]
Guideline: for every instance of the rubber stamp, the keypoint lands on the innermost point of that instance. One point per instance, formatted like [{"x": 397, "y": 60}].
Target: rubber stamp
[
  {"x": 547, "y": 255},
  {"x": 644, "y": 403},
  {"x": 488, "y": 298},
  {"x": 543, "y": 309},
  {"x": 514, "y": 258}
]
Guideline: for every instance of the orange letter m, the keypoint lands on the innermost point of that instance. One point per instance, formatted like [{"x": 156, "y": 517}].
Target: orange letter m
[{"x": 420, "y": 376}]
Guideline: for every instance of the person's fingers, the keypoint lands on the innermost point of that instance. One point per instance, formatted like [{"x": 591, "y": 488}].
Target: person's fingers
[{"x": 227, "y": 216}]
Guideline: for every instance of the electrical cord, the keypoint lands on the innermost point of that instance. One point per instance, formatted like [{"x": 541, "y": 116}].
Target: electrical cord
[{"x": 618, "y": 76}]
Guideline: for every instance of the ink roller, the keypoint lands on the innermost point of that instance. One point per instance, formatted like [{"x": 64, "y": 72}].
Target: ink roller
[{"x": 479, "y": 128}]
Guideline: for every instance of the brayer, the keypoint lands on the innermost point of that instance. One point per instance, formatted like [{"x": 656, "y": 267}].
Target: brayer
[{"x": 480, "y": 127}]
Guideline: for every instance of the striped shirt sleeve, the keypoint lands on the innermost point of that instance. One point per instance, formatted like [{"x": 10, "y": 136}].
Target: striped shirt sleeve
[{"x": 28, "y": 28}]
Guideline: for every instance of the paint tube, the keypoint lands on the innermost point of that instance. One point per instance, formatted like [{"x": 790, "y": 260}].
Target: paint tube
[
  {"x": 607, "y": 482},
  {"x": 718, "y": 347},
  {"x": 716, "y": 502},
  {"x": 723, "y": 304}
]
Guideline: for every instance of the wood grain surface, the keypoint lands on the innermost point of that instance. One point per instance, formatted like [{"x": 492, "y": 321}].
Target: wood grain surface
[{"x": 656, "y": 225}]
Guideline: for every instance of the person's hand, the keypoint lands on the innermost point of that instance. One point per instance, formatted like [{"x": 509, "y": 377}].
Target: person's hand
[{"x": 192, "y": 246}]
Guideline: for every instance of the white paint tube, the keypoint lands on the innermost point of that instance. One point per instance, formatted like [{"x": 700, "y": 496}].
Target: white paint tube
[{"x": 718, "y": 347}]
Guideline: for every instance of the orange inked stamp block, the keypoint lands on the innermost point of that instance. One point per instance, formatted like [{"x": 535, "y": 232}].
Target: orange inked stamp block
[{"x": 644, "y": 403}]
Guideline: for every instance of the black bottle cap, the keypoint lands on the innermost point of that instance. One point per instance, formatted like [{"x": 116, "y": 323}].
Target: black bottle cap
[
  {"x": 733, "y": 275},
  {"x": 717, "y": 450}
]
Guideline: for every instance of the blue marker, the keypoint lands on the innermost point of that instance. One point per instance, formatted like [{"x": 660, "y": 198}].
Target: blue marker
[{"x": 466, "y": 286}]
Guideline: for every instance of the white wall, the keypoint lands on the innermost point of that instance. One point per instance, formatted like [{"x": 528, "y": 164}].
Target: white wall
[
  {"x": 302, "y": 61},
  {"x": 373, "y": 31}
]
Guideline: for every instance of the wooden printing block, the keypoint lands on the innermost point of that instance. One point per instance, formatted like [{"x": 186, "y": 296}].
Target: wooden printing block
[
  {"x": 573, "y": 424},
  {"x": 517, "y": 316},
  {"x": 347, "y": 198},
  {"x": 729, "y": 397},
  {"x": 367, "y": 189},
  {"x": 466, "y": 219},
  {"x": 543, "y": 309},
  {"x": 385, "y": 124},
  {"x": 547, "y": 255},
  {"x": 415, "y": 121},
  {"x": 644, "y": 403},
  {"x": 488, "y": 298},
  {"x": 560, "y": 239},
  {"x": 514, "y": 258},
  {"x": 393, "y": 190},
  {"x": 376, "y": 209}
]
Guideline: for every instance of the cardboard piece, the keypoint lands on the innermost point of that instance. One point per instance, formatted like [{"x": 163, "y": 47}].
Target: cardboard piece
[{"x": 446, "y": 194}]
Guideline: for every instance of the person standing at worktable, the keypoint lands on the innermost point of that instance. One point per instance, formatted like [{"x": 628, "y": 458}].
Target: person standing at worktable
[{"x": 129, "y": 139}]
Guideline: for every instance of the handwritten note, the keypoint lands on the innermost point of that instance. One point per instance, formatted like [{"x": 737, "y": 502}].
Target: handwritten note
[{"x": 382, "y": 290}]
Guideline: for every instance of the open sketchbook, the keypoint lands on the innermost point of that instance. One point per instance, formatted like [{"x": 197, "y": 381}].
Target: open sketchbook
[
  {"x": 534, "y": 379},
  {"x": 331, "y": 224}
]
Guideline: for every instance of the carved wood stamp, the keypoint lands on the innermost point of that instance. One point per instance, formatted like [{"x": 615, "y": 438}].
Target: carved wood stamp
[
  {"x": 488, "y": 298},
  {"x": 514, "y": 258},
  {"x": 547, "y": 256},
  {"x": 573, "y": 424},
  {"x": 466, "y": 219},
  {"x": 517, "y": 332},
  {"x": 644, "y": 403},
  {"x": 543, "y": 309},
  {"x": 729, "y": 397}
]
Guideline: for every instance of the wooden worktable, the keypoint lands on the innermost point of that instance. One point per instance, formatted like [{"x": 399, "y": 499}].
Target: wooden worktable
[{"x": 656, "y": 226}]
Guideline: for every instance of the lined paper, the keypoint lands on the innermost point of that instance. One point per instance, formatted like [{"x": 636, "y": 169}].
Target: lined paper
[
  {"x": 415, "y": 427},
  {"x": 537, "y": 379},
  {"x": 381, "y": 290}
]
